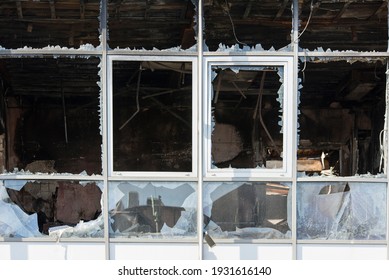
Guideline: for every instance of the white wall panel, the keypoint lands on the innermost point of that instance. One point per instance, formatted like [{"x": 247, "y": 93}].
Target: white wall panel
[
  {"x": 122, "y": 251},
  {"x": 341, "y": 252},
  {"x": 53, "y": 251},
  {"x": 248, "y": 252}
]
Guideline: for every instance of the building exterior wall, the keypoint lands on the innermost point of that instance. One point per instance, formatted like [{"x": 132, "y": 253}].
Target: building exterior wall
[{"x": 175, "y": 201}]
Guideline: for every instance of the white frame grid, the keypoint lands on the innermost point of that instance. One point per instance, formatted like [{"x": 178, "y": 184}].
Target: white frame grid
[
  {"x": 200, "y": 63},
  {"x": 153, "y": 174},
  {"x": 249, "y": 61}
]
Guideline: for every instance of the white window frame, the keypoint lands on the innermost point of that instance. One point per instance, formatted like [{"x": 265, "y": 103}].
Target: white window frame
[
  {"x": 251, "y": 61},
  {"x": 152, "y": 174}
]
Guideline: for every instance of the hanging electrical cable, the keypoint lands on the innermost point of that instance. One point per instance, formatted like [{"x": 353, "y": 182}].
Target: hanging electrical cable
[{"x": 137, "y": 99}]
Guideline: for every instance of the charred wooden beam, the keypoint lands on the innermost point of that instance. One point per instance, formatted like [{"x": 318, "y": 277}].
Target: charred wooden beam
[
  {"x": 71, "y": 36},
  {"x": 52, "y": 9},
  {"x": 281, "y": 10},
  {"x": 379, "y": 10},
  {"x": 82, "y": 9},
  {"x": 339, "y": 15},
  {"x": 117, "y": 9},
  {"x": 248, "y": 9},
  {"x": 19, "y": 9}
]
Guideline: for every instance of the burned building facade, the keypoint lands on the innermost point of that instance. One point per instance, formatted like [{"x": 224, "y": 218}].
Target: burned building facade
[{"x": 193, "y": 129}]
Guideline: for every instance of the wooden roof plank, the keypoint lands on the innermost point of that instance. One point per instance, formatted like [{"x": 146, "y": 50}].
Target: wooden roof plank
[
  {"x": 19, "y": 9},
  {"x": 379, "y": 10},
  {"x": 52, "y": 9},
  {"x": 82, "y": 9},
  {"x": 281, "y": 10},
  {"x": 339, "y": 15}
]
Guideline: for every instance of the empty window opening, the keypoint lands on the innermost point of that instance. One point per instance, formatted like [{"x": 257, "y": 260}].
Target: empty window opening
[
  {"x": 344, "y": 25},
  {"x": 342, "y": 117},
  {"x": 51, "y": 208},
  {"x": 41, "y": 23},
  {"x": 152, "y": 116},
  {"x": 247, "y": 23},
  {"x": 151, "y": 24},
  {"x": 246, "y": 115},
  {"x": 255, "y": 210},
  {"x": 50, "y": 115}
]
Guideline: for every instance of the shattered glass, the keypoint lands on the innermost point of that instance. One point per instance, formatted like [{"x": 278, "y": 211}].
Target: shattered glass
[
  {"x": 153, "y": 209},
  {"x": 341, "y": 211},
  {"x": 51, "y": 208},
  {"x": 255, "y": 210}
]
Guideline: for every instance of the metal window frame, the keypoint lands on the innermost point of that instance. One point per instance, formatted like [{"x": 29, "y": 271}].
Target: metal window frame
[
  {"x": 154, "y": 174},
  {"x": 252, "y": 61}
]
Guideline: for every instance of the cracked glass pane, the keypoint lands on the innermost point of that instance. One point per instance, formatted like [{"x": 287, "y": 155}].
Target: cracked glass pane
[
  {"x": 255, "y": 210},
  {"x": 341, "y": 210},
  {"x": 157, "y": 210},
  {"x": 59, "y": 209}
]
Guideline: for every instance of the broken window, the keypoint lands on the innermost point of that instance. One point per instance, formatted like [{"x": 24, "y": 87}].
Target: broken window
[
  {"x": 152, "y": 126},
  {"x": 51, "y": 208},
  {"x": 256, "y": 210},
  {"x": 151, "y": 24},
  {"x": 153, "y": 209},
  {"x": 344, "y": 25},
  {"x": 341, "y": 118},
  {"x": 50, "y": 115},
  {"x": 41, "y": 23},
  {"x": 341, "y": 210},
  {"x": 246, "y": 118},
  {"x": 247, "y": 23}
]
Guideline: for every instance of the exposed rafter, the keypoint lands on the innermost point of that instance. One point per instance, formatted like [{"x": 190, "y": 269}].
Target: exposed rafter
[
  {"x": 248, "y": 9},
  {"x": 52, "y": 9},
  {"x": 281, "y": 10},
  {"x": 19, "y": 9},
  {"x": 82, "y": 9},
  {"x": 379, "y": 10},
  {"x": 344, "y": 8}
]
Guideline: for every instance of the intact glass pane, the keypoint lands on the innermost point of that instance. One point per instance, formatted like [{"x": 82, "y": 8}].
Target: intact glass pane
[
  {"x": 341, "y": 210},
  {"x": 152, "y": 116}
]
